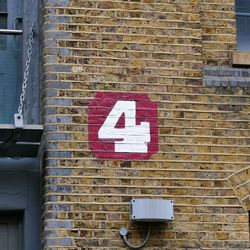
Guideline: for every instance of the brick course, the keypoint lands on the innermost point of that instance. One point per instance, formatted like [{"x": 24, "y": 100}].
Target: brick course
[{"x": 170, "y": 50}]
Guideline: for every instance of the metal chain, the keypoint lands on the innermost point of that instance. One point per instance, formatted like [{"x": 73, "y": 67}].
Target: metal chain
[{"x": 27, "y": 69}]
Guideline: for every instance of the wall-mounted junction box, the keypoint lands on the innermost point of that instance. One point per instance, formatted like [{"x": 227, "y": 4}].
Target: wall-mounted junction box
[{"x": 151, "y": 210}]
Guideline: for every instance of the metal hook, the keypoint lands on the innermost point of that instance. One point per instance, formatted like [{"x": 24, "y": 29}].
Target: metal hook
[{"x": 17, "y": 20}]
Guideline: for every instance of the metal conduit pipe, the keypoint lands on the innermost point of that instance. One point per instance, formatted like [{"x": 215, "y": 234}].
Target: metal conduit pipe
[{"x": 124, "y": 231}]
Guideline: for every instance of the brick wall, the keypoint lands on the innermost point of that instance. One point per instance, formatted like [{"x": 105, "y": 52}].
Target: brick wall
[
  {"x": 159, "y": 48},
  {"x": 218, "y": 31}
]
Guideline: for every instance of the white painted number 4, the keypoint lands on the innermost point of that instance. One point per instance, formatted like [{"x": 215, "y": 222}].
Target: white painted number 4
[{"x": 131, "y": 138}]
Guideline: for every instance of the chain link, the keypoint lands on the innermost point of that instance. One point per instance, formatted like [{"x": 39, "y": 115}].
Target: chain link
[{"x": 27, "y": 69}]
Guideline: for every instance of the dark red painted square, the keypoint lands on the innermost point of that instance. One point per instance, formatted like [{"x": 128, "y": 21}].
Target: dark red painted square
[{"x": 100, "y": 108}]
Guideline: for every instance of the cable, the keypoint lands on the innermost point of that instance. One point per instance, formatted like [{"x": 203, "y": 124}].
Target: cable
[{"x": 123, "y": 232}]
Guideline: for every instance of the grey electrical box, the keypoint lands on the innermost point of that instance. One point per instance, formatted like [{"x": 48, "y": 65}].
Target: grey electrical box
[{"x": 151, "y": 210}]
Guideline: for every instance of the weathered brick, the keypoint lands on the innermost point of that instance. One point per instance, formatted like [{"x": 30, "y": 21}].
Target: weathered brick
[{"x": 178, "y": 52}]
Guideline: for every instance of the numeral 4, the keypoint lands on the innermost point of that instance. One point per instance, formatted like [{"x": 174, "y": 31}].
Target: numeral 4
[{"x": 130, "y": 139}]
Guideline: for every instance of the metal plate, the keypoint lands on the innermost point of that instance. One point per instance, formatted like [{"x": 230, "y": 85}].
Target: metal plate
[{"x": 151, "y": 210}]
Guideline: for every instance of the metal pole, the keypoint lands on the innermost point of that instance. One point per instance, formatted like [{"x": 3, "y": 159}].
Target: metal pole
[{"x": 10, "y": 32}]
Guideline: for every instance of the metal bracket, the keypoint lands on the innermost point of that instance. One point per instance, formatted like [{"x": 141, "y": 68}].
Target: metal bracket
[
  {"x": 18, "y": 120},
  {"x": 18, "y": 19}
]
